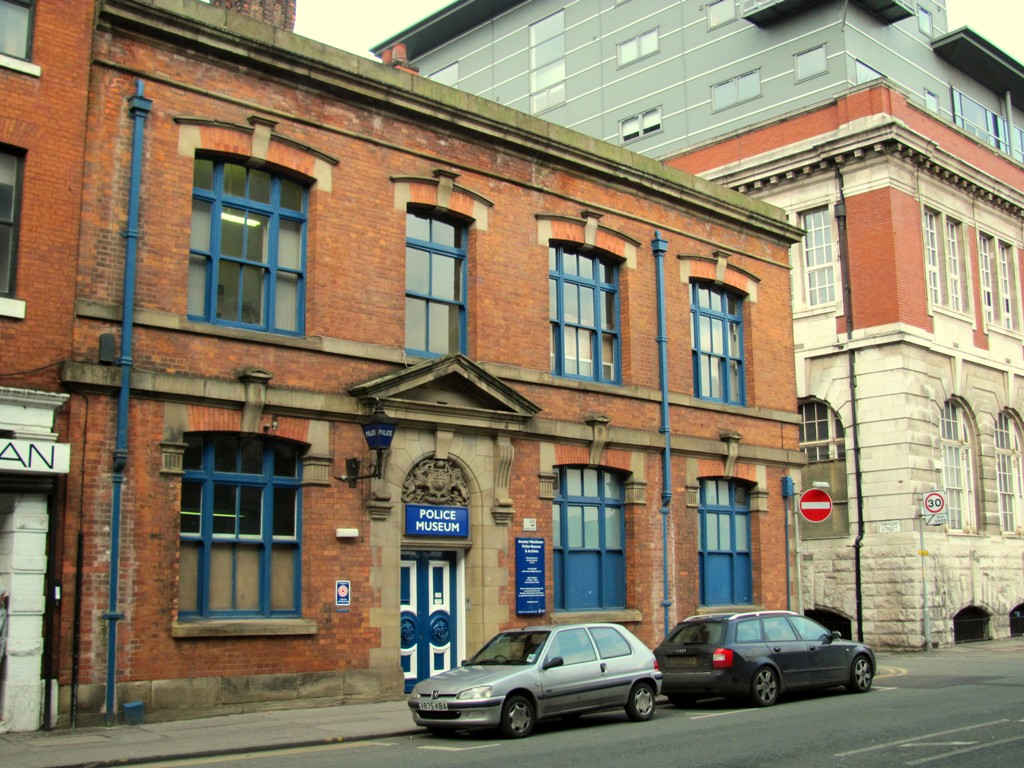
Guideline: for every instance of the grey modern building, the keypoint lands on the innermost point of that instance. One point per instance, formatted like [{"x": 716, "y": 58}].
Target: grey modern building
[
  {"x": 896, "y": 144},
  {"x": 665, "y": 75}
]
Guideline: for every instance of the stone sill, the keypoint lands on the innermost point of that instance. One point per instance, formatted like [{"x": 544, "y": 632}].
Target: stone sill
[
  {"x": 623, "y": 616},
  {"x": 243, "y": 628}
]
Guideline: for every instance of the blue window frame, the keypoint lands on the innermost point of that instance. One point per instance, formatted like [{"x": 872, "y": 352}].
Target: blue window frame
[
  {"x": 726, "y": 576},
  {"x": 16, "y": 28},
  {"x": 583, "y": 299},
  {"x": 240, "y": 528},
  {"x": 716, "y": 338},
  {"x": 589, "y": 540},
  {"x": 247, "y": 256},
  {"x": 435, "y": 285}
]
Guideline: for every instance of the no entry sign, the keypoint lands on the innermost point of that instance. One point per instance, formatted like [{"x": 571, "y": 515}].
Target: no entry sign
[{"x": 815, "y": 505}]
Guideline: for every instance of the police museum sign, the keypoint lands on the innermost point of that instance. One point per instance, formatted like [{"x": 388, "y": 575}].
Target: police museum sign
[{"x": 425, "y": 520}]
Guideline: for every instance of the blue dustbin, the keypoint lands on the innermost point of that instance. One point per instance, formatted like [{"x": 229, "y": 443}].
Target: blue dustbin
[{"x": 134, "y": 713}]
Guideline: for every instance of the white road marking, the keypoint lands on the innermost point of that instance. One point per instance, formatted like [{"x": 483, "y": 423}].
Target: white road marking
[
  {"x": 956, "y": 752},
  {"x": 901, "y": 742},
  {"x": 460, "y": 749}
]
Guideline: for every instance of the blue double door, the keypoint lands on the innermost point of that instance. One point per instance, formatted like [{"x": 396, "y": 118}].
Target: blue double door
[{"x": 428, "y": 624}]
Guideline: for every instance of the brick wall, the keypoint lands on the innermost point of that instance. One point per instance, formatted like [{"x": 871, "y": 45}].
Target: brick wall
[
  {"x": 353, "y": 151},
  {"x": 43, "y": 120}
]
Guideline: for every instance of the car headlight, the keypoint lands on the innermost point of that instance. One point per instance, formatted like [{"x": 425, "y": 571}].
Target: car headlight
[{"x": 480, "y": 692}]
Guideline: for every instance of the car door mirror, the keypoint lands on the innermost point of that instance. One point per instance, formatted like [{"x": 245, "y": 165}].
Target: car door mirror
[
  {"x": 555, "y": 661},
  {"x": 835, "y": 634}
]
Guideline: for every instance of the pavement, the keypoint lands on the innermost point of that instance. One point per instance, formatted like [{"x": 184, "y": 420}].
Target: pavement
[{"x": 221, "y": 735}]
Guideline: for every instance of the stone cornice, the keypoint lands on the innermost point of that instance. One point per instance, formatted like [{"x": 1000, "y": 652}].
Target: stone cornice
[
  {"x": 876, "y": 137},
  {"x": 296, "y": 62}
]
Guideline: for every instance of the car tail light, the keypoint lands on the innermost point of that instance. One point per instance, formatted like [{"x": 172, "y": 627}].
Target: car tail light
[{"x": 721, "y": 658}]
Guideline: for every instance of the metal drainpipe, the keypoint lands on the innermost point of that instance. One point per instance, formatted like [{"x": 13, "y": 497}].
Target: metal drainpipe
[
  {"x": 844, "y": 264},
  {"x": 658, "y": 247},
  {"x": 139, "y": 110}
]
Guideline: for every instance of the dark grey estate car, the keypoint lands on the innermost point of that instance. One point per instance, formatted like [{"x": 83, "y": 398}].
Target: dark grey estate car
[
  {"x": 535, "y": 673},
  {"x": 758, "y": 656}
]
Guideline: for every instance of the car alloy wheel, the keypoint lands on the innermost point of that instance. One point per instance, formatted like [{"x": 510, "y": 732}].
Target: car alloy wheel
[
  {"x": 765, "y": 689},
  {"x": 517, "y": 717},
  {"x": 860, "y": 675},
  {"x": 640, "y": 706}
]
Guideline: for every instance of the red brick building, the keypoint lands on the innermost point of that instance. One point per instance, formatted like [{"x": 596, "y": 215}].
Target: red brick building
[
  {"x": 44, "y": 77},
  {"x": 927, "y": 321},
  {"x": 276, "y": 238}
]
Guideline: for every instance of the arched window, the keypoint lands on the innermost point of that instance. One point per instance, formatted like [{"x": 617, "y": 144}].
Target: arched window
[
  {"x": 1009, "y": 478},
  {"x": 435, "y": 284},
  {"x": 822, "y": 436},
  {"x": 716, "y": 338},
  {"x": 726, "y": 576},
  {"x": 589, "y": 540},
  {"x": 957, "y": 466},
  {"x": 583, "y": 297},
  {"x": 240, "y": 528},
  {"x": 247, "y": 255}
]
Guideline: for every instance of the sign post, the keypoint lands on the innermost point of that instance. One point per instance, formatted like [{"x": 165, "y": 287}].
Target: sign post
[
  {"x": 933, "y": 512},
  {"x": 814, "y": 505}
]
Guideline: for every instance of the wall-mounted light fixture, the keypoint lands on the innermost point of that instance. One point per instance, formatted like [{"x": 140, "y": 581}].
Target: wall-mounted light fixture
[{"x": 379, "y": 431}]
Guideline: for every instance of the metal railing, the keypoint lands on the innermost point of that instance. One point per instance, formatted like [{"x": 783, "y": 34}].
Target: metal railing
[{"x": 970, "y": 626}]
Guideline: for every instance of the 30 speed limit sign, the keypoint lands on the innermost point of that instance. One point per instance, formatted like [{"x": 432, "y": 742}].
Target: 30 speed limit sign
[{"x": 935, "y": 502}]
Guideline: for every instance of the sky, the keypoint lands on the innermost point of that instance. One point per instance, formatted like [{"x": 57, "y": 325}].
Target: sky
[{"x": 358, "y": 25}]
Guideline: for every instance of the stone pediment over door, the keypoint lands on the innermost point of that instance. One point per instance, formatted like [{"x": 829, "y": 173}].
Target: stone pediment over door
[{"x": 450, "y": 390}]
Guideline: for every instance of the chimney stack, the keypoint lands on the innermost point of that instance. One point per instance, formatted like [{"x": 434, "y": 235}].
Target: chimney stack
[
  {"x": 280, "y": 13},
  {"x": 396, "y": 57}
]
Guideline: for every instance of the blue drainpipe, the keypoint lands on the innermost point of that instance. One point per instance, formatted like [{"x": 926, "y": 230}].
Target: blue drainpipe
[
  {"x": 139, "y": 110},
  {"x": 658, "y": 247}
]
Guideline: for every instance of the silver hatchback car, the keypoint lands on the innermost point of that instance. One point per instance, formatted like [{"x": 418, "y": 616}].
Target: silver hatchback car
[{"x": 537, "y": 673}]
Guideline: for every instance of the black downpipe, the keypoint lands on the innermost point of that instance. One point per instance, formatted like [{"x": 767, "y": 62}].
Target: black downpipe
[
  {"x": 844, "y": 265},
  {"x": 52, "y": 601},
  {"x": 76, "y": 627}
]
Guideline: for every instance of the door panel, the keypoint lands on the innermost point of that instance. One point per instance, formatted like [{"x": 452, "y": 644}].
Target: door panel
[
  {"x": 788, "y": 651},
  {"x": 579, "y": 682},
  {"x": 428, "y": 629}
]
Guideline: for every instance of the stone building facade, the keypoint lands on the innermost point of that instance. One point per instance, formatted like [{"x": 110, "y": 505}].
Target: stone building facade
[{"x": 930, "y": 328}]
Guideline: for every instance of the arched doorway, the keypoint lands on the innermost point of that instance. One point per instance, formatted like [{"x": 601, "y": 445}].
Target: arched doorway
[
  {"x": 970, "y": 625},
  {"x": 832, "y": 621},
  {"x": 1017, "y": 621}
]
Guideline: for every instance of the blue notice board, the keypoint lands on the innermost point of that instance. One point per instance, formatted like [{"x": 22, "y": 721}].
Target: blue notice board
[{"x": 531, "y": 599}]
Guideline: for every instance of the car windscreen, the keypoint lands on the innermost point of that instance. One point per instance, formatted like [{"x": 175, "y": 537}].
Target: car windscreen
[
  {"x": 698, "y": 632},
  {"x": 511, "y": 648}
]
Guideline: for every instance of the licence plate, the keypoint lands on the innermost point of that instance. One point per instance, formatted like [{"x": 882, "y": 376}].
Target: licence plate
[
  {"x": 433, "y": 706},
  {"x": 684, "y": 661}
]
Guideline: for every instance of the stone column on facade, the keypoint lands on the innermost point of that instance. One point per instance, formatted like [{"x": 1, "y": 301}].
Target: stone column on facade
[
  {"x": 504, "y": 454},
  {"x": 23, "y": 526}
]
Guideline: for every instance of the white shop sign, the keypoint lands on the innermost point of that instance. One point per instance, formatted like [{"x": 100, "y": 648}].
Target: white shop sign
[{"x": 37, "y": 457}]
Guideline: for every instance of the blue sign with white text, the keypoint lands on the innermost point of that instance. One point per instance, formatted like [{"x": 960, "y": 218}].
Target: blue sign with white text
[
  {"x": 423, "y": 520},
  {"x": 531, "y": 598}
]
